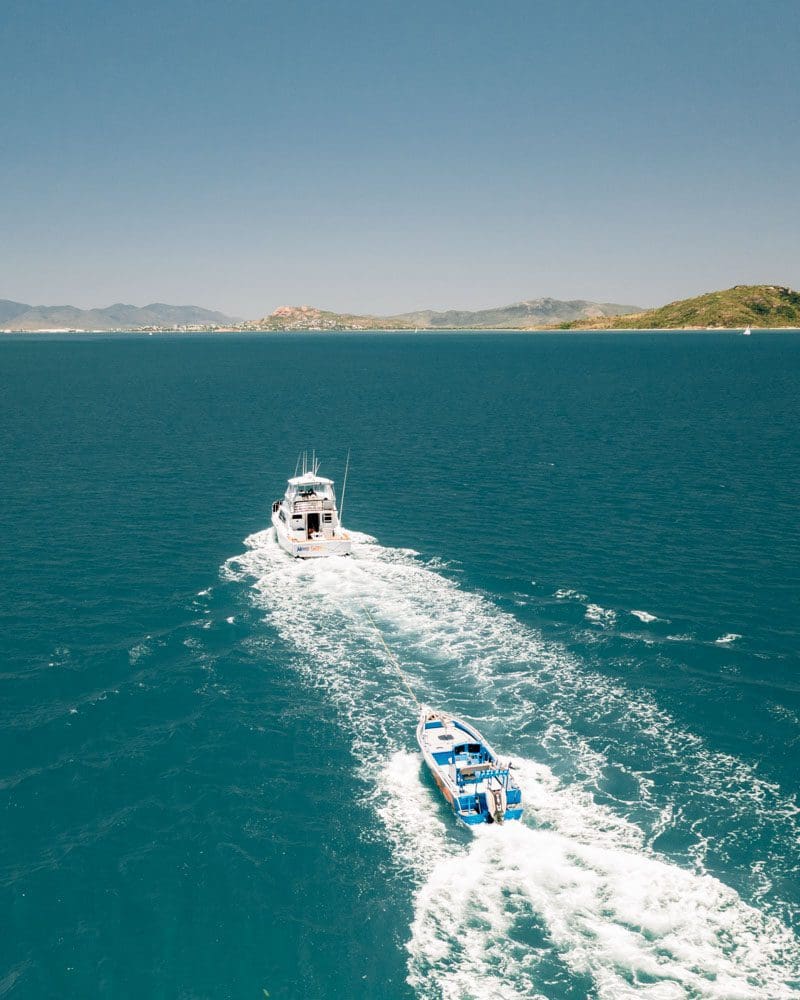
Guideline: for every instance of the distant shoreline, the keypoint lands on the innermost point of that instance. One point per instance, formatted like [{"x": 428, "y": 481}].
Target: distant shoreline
[
  {"x": 732, "y": 309},
  {"x": 233, "y": 331}
]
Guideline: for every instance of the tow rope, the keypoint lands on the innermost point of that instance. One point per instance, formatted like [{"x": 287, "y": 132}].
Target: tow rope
[{"x": 392, "y": 658}]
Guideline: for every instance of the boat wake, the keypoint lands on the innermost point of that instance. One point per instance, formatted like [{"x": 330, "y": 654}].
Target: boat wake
[
  {"x": 498, "y": 919},
  {"x": 581, "y": 894}
]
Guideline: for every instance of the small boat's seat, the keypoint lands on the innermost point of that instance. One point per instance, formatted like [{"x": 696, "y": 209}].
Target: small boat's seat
[{"x": 472, "y": 769}]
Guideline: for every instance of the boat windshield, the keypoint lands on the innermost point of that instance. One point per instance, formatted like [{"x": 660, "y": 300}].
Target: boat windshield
[{"x": 311, "y": 489}]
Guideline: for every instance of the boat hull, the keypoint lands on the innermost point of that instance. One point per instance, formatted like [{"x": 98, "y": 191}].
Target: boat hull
[{"x": 316, "y": 548}]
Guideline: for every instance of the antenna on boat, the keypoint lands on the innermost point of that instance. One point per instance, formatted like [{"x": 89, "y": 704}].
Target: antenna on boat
[
  {"x": 344, "y": 485},
  {"x": 297, "y": 463}
]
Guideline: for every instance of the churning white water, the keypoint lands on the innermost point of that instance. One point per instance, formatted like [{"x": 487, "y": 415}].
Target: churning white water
[{"x": 577, "y": 890}]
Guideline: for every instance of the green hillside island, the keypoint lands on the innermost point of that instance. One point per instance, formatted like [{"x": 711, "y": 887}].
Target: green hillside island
[{"x": 765, "y": 306}]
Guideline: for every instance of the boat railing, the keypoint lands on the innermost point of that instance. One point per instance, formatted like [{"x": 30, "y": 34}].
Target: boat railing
[
  {"x": 474, "y": 773},
  {"x": 305, "y": 506}
]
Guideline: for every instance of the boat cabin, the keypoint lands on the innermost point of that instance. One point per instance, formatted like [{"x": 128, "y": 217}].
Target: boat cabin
[{"x": 308, "y": 508}]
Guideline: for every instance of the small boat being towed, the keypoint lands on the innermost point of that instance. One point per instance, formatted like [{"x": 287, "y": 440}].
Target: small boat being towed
[
  {"x": 467, "y": 770},
  {"x": 306, "y": 519}
]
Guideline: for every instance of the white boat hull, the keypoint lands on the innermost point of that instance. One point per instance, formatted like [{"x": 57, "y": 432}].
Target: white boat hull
[{"x": 311, "y": 548}]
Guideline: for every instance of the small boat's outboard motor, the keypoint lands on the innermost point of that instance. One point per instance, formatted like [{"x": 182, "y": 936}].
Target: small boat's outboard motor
[{"x": 496, "y": 804}]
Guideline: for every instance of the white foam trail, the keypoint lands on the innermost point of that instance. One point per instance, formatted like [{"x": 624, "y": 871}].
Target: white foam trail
[
  {"x": 578, "y": 889},
  {"x": 518, "y": 683},
  {"x": 582, "y": 888},
  {"x": 605, "y": 617},
  {"x": 636, "y": 926},
  {"x": 565, "y": 594},
  {"x": 581, "y": 883}
]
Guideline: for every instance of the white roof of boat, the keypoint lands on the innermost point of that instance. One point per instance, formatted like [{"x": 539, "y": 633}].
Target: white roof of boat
[{"x": 309, "y": 477}]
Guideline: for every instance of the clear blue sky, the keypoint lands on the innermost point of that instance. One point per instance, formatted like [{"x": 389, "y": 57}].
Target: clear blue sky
[{"x": 385, "y": 156}]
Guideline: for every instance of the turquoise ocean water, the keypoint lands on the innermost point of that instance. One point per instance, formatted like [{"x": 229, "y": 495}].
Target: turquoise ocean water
[{"x": 587, "y": 544}]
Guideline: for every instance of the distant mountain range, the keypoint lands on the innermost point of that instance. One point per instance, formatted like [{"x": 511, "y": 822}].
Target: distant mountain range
[
  {"x": 532, "y": 313},
  {"x": 520, "y": 315},
  {"x": 19, "y": 316},
  {"x": 770, "y": 306},
  {"x": 740, "y": 306}
]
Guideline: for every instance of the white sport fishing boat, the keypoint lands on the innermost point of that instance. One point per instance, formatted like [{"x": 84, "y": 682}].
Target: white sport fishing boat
[{"x": 306, "y": 520}]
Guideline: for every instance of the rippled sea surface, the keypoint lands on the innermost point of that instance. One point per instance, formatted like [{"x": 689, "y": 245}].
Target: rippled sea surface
[{"x": 586, "y": 544}]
